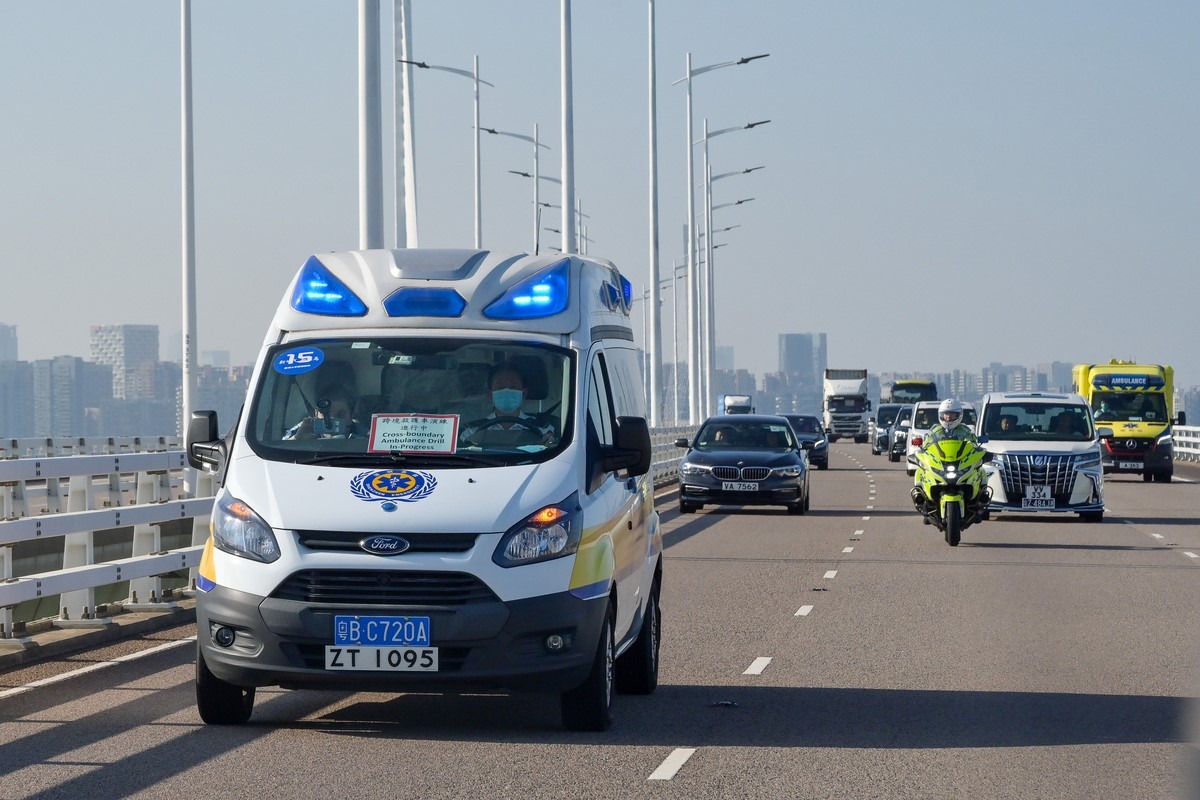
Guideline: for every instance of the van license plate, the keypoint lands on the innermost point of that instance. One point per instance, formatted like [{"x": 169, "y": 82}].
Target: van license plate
[
  {"x": 739, "y": 486},
  {"x": 380, "y": 631},
  {"x": 382, "y": 659}
]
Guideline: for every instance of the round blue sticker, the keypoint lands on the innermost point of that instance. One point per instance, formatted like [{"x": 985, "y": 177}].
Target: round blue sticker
[
  {"x": 298, "y": 360},
  {"x": 391, "y": 485}
]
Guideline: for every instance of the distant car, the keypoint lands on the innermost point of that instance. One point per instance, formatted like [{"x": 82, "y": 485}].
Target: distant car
[
  {"x": 810, "y": 429},
  {"x": 925, "y": 416},
  {"x": 885, "y": 415},
  {"x": 744, "y": 460},
  {"x": 1046, "y": 453},
  {"x": 897, "y": 433}
]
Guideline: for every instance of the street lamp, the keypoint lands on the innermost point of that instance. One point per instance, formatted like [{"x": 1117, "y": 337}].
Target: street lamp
[
  {"x": 693, "y": 297},
  {"x": 536, "y": 144},
  {"x": 708, "y": 318},
  {"x": 474, "y": 76}
]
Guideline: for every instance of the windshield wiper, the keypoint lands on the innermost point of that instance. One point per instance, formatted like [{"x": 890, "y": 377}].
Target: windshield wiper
[{"x": 408, "y": 459}]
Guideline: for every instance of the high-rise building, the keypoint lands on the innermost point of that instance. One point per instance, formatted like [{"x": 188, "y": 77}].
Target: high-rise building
[
  {"x": 62, "y": 388},
  {"x": 132, "y": 352},
  {"x": 8, "y": 343}
]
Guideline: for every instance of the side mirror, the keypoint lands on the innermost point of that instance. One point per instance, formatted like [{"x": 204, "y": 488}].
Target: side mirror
[
  {"x": 681, "y": 442},
  {"x": 205, "y": 448},
  {"x": 632, "y": 449},
  {"x": 1181, "y": 419}
]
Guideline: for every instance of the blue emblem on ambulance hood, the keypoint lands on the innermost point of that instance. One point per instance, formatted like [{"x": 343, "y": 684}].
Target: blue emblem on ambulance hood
[{"x": 389, "y": 486}]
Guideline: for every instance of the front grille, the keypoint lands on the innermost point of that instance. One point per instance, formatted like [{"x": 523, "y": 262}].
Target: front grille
[
  {"x": 418, "y": 542},
  {"x": 1035, "y": 469},
  {"x": 741, "y": 473},
  {"x": 384, "y": 587}
]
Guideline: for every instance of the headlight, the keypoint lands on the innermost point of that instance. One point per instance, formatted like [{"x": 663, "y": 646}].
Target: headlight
[
  {"x": 548, "y": 533},
  {"x": 687, "y": 468},
  {"x": 1087, "y": 460},
  {"x": 239, "y": 531},
  {"x": 787, "y": 472}
]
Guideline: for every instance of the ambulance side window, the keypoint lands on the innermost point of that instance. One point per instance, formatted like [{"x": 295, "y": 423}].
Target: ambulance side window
[{"x": 599, "y": 422}]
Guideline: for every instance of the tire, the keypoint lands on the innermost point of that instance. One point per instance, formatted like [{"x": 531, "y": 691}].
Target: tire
[
  {"x": 220, "y": 702},
  {"x": 637, "y": 668},
  {"x": 588, "y": 707},
  {"x": 953, "y": 525},
  {"x": 1092, "y": 516}
]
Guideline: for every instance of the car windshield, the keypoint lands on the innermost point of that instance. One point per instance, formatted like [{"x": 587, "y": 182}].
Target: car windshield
[
  {"x": 805, "y": 424},
  {"x": 1130, "y": 407},
  {"x": 449, "y": 401},
  {"x": 745, "y": 436},
  {"x": 1052, "y": 422}
]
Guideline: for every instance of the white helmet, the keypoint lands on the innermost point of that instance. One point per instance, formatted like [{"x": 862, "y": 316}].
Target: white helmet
[{"x": 950, "y": 413}]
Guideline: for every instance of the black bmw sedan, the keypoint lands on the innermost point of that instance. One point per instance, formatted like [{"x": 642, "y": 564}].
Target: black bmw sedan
[{"x": 743, "y": 460}]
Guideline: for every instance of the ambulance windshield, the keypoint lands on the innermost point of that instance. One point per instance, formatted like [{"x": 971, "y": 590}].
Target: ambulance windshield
[{"x": 452, "y": 401}]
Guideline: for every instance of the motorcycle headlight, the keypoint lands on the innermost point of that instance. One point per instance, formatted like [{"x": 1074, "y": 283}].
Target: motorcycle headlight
[
  {"x": 241, "y": 532},
  {"x": 787, "y": 472},
  {"x": 688, "y": 468},
  {"x": 548, "y": 533}
]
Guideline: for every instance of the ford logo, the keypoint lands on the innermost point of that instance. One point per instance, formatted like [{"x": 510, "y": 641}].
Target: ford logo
[{"x": 384, "y": 545}]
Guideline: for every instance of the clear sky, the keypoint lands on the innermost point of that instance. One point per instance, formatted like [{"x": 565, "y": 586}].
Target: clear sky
[{"x": 947, "y": 184}]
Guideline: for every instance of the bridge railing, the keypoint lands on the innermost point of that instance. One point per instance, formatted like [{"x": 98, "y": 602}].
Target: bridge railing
[{"x": 59, "y": 495}]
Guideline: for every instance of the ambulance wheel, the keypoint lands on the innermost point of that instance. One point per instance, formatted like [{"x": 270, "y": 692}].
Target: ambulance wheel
[
  {"x": 220, "y": 702},
  {"x": 588, "y": 707},
  {"x": 637, "y": 668}
]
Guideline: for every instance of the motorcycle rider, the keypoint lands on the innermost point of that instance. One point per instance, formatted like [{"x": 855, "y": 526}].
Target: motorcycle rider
[{"x": 950, "y": 424}]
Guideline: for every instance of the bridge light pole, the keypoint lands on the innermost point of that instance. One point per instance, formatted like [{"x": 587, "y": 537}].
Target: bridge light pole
[
  {"x": 474, "y": 76},
  {"x": 693, "y": 288}
]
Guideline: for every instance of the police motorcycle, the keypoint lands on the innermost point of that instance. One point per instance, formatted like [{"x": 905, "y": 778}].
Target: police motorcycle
[{"x": 951, "y": 490}]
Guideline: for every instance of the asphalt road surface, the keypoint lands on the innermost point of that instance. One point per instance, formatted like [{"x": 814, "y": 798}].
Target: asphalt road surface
[{"x": 848, "y": 653}]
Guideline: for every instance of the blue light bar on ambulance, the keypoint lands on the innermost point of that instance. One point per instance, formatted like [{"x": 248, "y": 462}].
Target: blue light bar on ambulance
[
  {"x": 541, "y": 295},
  {"x": 319, "y": 292},
  {"x": 418, "y": 301}
]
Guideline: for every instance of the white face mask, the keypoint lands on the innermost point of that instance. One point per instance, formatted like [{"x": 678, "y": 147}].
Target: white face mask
[{"x": 507, "y": 400}]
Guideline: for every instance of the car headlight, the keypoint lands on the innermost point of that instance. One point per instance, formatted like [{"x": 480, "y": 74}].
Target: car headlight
[
  {"x": 548, "y": 533},
  {"x": 688, "y": 468},
  {"x": 787, "y": 472},
  {"x": 241, "y": 532}
]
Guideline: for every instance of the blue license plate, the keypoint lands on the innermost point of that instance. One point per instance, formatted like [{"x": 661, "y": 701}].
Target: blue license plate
[{"x": 364, "y": 631}]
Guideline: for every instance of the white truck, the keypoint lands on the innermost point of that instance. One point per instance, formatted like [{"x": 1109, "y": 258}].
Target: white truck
[
  {"x": 736, "y": 404},
  {"x": 844, "y": 406}
]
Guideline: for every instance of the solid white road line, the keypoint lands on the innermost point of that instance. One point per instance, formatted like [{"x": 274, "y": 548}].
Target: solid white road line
[
  {"x": 831, "y": 574},
  {"x": 93, "y": 667},
  {"x": 804, "y": 611},
  {"x": 758, "y": 666},
  {"x": 667, "y": 769}
]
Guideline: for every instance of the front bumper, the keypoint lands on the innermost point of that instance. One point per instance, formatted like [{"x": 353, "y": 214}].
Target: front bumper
[
  {"x": 490, "y": 644},
  {"x": 773, "y": 491}
]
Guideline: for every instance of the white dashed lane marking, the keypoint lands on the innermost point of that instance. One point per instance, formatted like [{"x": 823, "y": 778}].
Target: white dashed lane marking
[
  {"x": 667, "y": 769},
  {"x": 758, "y": 666}
]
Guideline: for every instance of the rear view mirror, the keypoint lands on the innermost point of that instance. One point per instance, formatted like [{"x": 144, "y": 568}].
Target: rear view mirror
[
  {"x": 205, "y": 448},
  {"x": 631, "y": 451}
]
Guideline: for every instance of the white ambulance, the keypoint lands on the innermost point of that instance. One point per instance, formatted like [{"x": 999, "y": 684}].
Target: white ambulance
[{"x": 439, "y": 480}]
